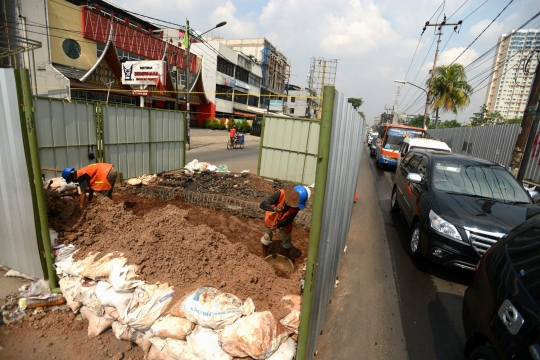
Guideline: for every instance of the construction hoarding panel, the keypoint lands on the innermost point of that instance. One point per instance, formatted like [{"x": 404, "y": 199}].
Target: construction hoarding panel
[
  {"x": 18, "y": 239},
  {"x": 166, "y": 140},
  {"x": 289, "y": 149},
  {"x": 66, "y": 133}
]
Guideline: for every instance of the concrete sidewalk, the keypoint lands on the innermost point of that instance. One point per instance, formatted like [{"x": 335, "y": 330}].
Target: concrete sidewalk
[{"x": 363, "y": 320}]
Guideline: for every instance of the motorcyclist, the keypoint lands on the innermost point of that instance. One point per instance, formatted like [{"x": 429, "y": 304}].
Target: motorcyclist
[{"x": 232, "y": 134}]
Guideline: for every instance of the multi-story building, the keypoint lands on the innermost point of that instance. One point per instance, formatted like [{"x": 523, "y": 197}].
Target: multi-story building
[
  {"x": 509, "y": 87},
  {"x": 274, "y": 64},
  {"x": 83, "y": 46},
  {"x": 301, "y": 102},
  {"x": 232, "y": 80}
]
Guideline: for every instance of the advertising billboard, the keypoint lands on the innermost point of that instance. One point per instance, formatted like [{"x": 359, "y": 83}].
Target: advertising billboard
[{"x": 145, "y": 72}]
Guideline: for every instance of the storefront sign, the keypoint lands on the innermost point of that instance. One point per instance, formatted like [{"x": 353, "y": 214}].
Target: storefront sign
[
  {"x": 144, "y": 72},
  {"x": 276, "y": 105},
  {"x": 141, "y": 92},
  {"x": 242, "y": 85}
]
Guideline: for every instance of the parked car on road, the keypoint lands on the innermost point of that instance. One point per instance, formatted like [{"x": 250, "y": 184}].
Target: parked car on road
[
  {"x": 371, "y": 137},
  {"x": 421, "y": 144},
  {"x": 389, "y": 141},
  {"x": 501, "y": 310},
  {"x": 457, "y": 206}
]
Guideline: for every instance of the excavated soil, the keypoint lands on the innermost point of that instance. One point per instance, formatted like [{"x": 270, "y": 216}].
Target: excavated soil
[
  {"x": 241, "y": 186},
  {"x": 184, "y": 245}
]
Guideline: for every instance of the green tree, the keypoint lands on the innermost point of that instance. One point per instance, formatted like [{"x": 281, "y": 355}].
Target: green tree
[
  {"x": 386, "y": 118},
  {"x": 451, "y": 92},
  {"x": 495, "y": 118},
  {"x": 418, "y": 121},
  {"x": 356, "y": 102},
  {"x": 449, "y": 124},
  {"x": 480, "y": 118},
  {"x": 513, "y": 121},
  {"x": 484, "y": 118}
]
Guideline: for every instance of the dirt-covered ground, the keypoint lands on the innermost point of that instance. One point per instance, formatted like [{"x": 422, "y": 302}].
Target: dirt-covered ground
[{"x": 184, "y": 245}]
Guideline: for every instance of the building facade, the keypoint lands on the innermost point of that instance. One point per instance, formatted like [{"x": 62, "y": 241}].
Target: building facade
[
  {"x": 83, "y": 46},
  {"x": 301, "y": 102},
  {"x": 274, "y": 64},
  {"x": 232, "y": 80},
  {"x": 509, "y": 87}
]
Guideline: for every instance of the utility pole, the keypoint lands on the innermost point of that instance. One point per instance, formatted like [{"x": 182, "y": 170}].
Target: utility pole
[
  {"x": 394, "y": 113},
  {"x": 526, "y": 135},
  {"x": 430, "y": 90},
  {"x": 187, "y": 83}
]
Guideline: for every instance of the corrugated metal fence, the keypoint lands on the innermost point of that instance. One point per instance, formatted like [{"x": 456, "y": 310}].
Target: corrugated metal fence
[
  {"x": 345, "y": 153},
  {"x": 136, "y": 140},
  {"x": 494, "y": 143},
  {"x": 18, "y": 240},
  {"x": 289, "y": 149}
]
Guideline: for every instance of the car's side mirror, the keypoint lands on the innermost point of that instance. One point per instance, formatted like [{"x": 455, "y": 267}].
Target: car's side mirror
[
  {"x": 414, "y": 178},
  {"x": 403, "y": 154}
]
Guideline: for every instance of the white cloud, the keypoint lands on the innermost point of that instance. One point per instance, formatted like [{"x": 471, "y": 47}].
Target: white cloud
[
  {"x": 494, "y": 30},
  {"x": 235, "y": 27}
]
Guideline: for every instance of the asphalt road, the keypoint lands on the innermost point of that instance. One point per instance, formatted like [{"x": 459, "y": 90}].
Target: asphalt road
[
  {"x": 430, "y": 296},
  {"x": 211, "y": 146}
]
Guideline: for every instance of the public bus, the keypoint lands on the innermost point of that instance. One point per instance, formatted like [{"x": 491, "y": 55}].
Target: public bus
[{"x": 390, "y": 139}]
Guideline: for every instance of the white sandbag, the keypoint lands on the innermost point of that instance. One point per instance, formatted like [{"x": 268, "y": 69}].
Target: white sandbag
[
  {"x": 147, "y": 305},
  {"x": 171, "y": 326},
  {"x": 96, "y": 324},
  {"x": 124, "y": 278},
  {"x": 204, "y": 344},
  {"x": 134, "y": 181},
  {"x": 211, "y": 167},
  {"x": 36, "y": 288},
  {"x": 70, "y": 287},
  {"x": 109, "y": 297},
  {"x": 86, "y": 295},
  {"x": 291, "y": 321},
  {"x": 179, "y": 350},
  {"x": 285, "y": 351},
  {"x": 212, "y": 308},
  {"x": 66, "y": 187},
  {"x": 257, "y": 335},
  {"x": 65, "y": 252},
  {"x": 124, "y": 332},
  {"x": 101, "y": 269},
  {"x": 73, "y": 268}
]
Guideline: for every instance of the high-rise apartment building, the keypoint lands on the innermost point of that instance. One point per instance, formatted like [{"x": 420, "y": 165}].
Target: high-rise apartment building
[{"x": 509, "y": 86}]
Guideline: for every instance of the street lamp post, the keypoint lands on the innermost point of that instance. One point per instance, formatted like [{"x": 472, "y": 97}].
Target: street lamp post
[
  {"x": 427, "y": 97},
  {"x": 188, "y": 42}
]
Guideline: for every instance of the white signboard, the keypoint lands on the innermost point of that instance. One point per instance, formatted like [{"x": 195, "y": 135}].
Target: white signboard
[{"x": 144, "y": 72}]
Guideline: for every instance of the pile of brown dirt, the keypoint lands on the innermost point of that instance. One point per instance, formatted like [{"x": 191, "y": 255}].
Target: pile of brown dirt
[
  {"x": 168, "y": 248},
  {"x": 242, "y": 186}
]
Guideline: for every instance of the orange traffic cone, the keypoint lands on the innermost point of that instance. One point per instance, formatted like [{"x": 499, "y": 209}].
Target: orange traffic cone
[{"x": 355, "y": 197}]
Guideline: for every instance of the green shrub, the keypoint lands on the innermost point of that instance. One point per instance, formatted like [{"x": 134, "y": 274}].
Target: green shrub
[
  {"x": 243, "y": 127},
  {"x": 207, "y": 123},
  {"x": 221, "y": 125},
  {"x": 230, "y": 123}
]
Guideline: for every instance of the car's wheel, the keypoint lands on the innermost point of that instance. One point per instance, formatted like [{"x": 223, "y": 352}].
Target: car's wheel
[
  {"x": 483, "y": 353},
  {"x": 414, "y": 242},
  {"x": 393, "y": 202}
]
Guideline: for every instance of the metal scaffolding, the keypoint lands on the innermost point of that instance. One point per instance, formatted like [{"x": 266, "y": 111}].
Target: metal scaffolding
[{"x": 321, "y": 73}]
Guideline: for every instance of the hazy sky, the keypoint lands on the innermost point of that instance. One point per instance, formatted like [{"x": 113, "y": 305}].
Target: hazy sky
[{"x": 373, "y": 40}]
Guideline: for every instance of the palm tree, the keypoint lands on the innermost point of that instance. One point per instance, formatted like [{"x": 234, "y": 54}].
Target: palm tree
[{"x": 451, "y": 92}]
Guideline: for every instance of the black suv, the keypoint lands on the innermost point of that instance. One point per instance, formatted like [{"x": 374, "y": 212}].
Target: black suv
[
  {"x": 501, "y": 311},
  {"x": 457, "y": 206}
]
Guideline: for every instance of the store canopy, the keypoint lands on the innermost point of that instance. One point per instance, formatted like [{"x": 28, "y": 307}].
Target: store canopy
[{"x": 244, "y": 114}]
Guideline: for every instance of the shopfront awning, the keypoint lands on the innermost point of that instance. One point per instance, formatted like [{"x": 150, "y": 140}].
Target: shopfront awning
[{"x": 244, "y": 114}]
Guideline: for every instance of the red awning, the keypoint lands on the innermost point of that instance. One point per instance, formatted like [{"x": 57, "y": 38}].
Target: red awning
[{"x": 244, "y": 114}]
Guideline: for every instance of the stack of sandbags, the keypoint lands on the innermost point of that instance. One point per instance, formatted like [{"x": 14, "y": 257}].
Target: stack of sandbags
[{"x": 59, "y": 184}]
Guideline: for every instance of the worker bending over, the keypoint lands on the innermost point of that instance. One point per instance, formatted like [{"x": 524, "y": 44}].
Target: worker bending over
[
  {"x": 99, "y": 177},
  {"x": 281, "y": 209}
]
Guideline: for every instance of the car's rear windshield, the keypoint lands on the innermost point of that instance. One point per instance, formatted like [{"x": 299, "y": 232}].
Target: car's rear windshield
[
  {"x": 489, "y": 181},
  {"x": 430, "y": 149}
]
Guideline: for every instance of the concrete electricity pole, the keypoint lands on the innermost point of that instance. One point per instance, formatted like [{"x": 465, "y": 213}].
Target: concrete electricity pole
[
  {"x": 430, "y": 90},
  {"x": 524, "y": 142}
]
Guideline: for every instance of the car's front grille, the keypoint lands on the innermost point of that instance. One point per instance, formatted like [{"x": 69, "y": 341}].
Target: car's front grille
[{"x": 483, "y": 240}]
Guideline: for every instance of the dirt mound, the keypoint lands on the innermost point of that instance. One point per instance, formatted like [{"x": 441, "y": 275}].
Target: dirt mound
[
  {"x": 243, "y": 186},
  {"x": 167, "y": 248},
  {"x": 62, "y": 211}
]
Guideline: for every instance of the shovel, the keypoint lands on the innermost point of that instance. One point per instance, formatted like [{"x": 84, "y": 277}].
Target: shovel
[{"x": 275, "y": 259}]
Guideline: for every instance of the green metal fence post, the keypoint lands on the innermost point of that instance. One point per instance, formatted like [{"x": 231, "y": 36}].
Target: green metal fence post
[
  {"x": 261, "y": 146},
  {"x": 24, "y": 93},
  {"x": 316, "y": 219}
]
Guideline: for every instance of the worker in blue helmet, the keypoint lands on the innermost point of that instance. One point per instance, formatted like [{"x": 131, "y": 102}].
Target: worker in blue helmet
[{"x": 281, "y": 209}]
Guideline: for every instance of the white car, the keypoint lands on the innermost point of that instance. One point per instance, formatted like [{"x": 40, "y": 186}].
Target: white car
[{"x": 421, "y": 143}]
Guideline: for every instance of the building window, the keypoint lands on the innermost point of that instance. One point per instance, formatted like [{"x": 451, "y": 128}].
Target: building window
[
  {"x": 293, "y": 99},
  {"x": 253, "y": 101},
  {"x": 223, "y": 92},
  {"x": 242, "y": 75},
  {"x": 240, "y": 98},
  {"x": 291, "y": 110},
  {"x": 254, "y": 80},
  {"x": 71, "y": 48},
  {"x": 225, "y": 67}
]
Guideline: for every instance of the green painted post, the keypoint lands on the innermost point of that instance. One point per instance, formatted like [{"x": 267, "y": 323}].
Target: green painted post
[
  {"x": 27, "y": 111},
  {"x": 316, "y": 220},
  {"x": 260, "y": 146},
  {"x": 185, "y": 139}
]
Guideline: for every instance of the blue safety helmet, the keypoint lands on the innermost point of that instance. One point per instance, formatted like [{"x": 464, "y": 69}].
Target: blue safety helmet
[
  {"x": 66, "y": 172},
  {"x": 303, "y": 195}
]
